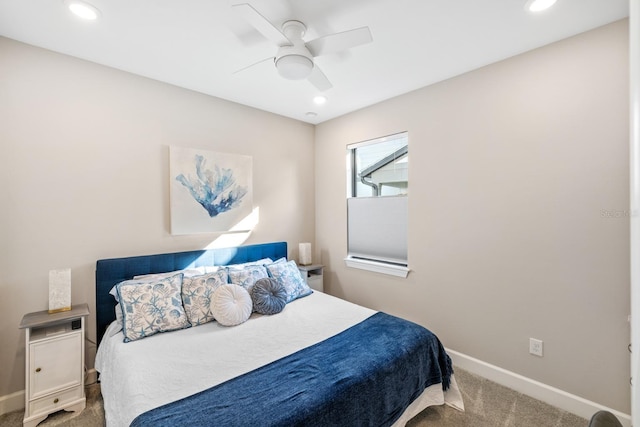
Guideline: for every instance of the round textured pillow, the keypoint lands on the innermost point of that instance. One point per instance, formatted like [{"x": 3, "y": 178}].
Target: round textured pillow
[
  {"x": 268, "y": 296},
  {"x": 231, "y": 305}
]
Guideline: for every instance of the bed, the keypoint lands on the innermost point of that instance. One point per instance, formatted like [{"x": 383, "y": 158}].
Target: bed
[{"x": 320, "y": 361}]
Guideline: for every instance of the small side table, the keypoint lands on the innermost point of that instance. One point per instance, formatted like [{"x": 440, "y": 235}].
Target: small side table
[
  {"x": 313, "y": 274},
  {"x": 54, "y": 374}
]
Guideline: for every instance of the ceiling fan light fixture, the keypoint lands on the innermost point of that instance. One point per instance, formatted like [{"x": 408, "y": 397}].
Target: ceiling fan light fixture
[
  {"x": 83, "y": 9},
  {"x": 538, "y": 5},
  {"x": 294, "y": 67}
]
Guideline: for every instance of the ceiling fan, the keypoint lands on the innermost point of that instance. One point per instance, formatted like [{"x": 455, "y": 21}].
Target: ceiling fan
[{"x": 294, "y": 59}]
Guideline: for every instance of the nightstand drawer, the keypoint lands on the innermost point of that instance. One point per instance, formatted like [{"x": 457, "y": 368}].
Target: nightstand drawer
[
  {"x": 54, "y": 401},
  {"x": 315, "y": 282}
]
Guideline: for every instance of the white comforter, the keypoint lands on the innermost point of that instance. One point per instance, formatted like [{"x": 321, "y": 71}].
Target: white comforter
[{"x": 142, "y": 375}]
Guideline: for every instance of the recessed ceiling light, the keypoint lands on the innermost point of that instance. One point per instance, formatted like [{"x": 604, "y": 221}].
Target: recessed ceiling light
[
  {"x": 311, "y": 114},
  {"x": 83, "y": 9},
  {"x": 320, "y": 99},
  {"x": 538, "y": 5}
]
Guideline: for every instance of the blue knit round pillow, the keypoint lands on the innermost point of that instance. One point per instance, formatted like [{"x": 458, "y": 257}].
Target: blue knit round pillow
[{"x": 268, "y": 296}]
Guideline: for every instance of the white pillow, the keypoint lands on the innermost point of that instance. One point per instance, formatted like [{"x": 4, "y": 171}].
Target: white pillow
[
  {"x": 189, "y": 272},
  {"x": 231, "y": 305},
  {"x": 115, "y": 329},
  {"x": 262, "y": 261}
]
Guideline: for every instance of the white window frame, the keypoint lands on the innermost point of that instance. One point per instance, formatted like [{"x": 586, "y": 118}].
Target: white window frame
[{"x": 398, "y": 269}]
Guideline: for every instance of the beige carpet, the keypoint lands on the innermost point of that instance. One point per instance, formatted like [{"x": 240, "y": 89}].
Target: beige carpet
[{"x": 487, "y": 405}]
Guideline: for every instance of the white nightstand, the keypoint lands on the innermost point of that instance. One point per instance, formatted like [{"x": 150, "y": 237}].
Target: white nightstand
[
  {"x": 313, "y": 275},
  {"x": 54, "y": 362}
]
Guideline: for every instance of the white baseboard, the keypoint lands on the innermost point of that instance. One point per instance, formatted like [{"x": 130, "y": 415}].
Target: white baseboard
[
  {"x": 12, "y": 402},
  {"x": 15, "y": 401},
  {"x": 560, "y": 399}
]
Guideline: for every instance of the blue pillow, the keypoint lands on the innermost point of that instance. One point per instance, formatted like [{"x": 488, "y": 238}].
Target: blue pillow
[{"x": 268, "y": 296}]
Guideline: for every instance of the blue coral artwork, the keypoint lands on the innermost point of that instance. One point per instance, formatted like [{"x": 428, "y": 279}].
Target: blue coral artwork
[{"x": 209, "y": 191}]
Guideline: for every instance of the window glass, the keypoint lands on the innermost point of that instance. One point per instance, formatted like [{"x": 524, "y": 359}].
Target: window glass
[{"x": 380, "y": 167}]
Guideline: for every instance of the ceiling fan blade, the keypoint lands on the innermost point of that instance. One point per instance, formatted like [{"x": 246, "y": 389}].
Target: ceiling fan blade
[
  {"x": 261, "y": 24},
  {"x": 318, "y": 79},
  {"x": 271, "y": 58},
  {"x": 339, "y": 41}
]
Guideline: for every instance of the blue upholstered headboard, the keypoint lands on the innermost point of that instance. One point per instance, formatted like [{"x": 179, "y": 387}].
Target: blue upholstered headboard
[{"x": 112, "y": 271}]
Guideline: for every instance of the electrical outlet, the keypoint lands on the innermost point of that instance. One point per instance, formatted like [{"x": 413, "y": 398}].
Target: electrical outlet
[{"x": 535, "y": 347}]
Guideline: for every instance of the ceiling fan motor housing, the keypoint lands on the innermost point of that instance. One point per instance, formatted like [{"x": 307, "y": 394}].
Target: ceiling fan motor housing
[{"x": 294, "y": 62}]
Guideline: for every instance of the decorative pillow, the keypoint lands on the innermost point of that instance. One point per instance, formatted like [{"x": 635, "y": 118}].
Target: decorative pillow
[
  {"x": 197, "y": 292},
  {"x": 175, "y": 279},
  {"x": 151, "y": 307},
  {"x": 247, "y": 276},
  {"x": 231, "y": 305},
  {"x": 268, "y": 296},
  {"x": 288, "y": 275}
]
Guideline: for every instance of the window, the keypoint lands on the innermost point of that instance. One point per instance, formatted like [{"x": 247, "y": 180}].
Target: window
[{"x": 377, "y": 204}]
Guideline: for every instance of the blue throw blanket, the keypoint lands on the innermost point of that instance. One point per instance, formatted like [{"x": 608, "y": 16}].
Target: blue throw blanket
[{"x": 365, "y": 376}]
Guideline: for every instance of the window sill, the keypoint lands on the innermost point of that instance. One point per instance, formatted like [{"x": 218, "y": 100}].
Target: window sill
[{"x": 377, "y": 267}]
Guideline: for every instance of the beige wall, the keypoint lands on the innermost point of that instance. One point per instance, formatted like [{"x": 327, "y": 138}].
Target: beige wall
[
  {"x": 517, "y": 228},
  {"x": 84, "y": 175}
]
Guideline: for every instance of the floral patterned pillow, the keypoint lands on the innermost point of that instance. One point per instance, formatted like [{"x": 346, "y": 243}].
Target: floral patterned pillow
[
  {"x": 287, "y": 274},
  {"x": 197, "y": 292},
  {"x": 247, "y": 276},
  {"x": 151, "y": 307},
  {"x": 174, "y": 278}
]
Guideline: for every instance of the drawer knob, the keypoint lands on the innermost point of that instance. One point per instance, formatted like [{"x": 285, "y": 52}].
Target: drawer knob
[
  {"x": 38, "y": 369},
  {"x": 56, "y": 400}
]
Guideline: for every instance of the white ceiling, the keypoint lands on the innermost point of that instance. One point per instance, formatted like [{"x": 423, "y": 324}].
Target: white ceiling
[{"x": 198, "y": 44}]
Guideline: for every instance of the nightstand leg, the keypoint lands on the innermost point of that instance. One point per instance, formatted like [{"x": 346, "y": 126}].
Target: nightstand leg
[{"x": 33, "y": 422}]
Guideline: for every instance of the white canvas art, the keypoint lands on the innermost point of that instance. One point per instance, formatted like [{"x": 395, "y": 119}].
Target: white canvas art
[{"x": 209, "y": 191}]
